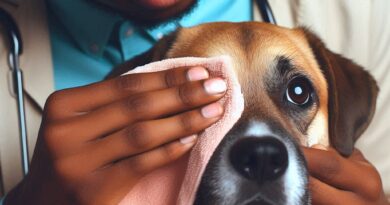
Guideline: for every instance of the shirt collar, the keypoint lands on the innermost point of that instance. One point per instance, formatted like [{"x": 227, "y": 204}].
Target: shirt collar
[
  {"x": 160, "y": 31},
  {"x": 89, "y": 25}
]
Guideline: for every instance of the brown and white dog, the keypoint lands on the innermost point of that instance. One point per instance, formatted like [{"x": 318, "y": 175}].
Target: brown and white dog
[{"x": 297, "y": 92}]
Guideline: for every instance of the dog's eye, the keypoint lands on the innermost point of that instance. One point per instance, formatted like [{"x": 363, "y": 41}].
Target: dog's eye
[{"x": 299, "y": 91}]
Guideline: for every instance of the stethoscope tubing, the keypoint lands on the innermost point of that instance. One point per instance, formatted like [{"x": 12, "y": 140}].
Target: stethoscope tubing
[
  {"x": 15, "y": 50},
  {"x": 266, "y": 11}
]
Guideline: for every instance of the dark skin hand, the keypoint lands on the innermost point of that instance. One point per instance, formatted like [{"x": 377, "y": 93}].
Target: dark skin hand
[
  {"x": 97, "y": 141},
  {"x": 342, "y": 181}
]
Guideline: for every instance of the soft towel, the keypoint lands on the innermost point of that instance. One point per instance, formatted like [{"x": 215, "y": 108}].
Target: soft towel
[{"x": 177, "y": 183}]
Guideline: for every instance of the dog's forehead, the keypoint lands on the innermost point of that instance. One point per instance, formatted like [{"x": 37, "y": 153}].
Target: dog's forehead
[{"x": 248, "y": 42}]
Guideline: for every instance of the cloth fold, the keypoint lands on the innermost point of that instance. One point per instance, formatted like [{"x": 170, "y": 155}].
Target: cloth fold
[{"x": 177, "y": 183}]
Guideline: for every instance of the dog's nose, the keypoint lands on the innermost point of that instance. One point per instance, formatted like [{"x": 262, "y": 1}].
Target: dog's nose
[{"x": 259, "y": 159}]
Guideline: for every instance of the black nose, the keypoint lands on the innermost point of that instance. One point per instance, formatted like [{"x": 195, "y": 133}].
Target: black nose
[{"x": 259, "y": 159}]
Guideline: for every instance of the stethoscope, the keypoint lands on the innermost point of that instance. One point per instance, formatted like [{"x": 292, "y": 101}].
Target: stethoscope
[{"x": 16, "y": 49}]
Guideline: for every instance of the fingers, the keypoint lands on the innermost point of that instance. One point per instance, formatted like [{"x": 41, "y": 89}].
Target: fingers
[
  {"x": 124, "y": 174},
  {"x": 357, "y": 155},
  {"x": 144, "y": 163},
  {"x": 328, "y": 166},
  {"x": 324, "y": 194},
  {"x": 74, "y": 101},
  {"x": 146, "y": 106},
  {"x": 148, "y": 135},
  {"x": 345, "y": 174}
]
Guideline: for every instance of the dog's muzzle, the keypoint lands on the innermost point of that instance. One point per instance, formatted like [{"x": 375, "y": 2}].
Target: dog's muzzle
[{"x": 255, "y": 164}]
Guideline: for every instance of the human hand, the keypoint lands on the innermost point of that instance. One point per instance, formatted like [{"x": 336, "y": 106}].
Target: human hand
[
  {"x": 345, "y": 181},
  {"x": 97, "y": 141}
]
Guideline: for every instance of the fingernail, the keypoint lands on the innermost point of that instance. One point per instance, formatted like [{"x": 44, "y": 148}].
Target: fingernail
[
  {"x": 215, "y": 86},
  {"x": 319, "y": 146},
  {"x": 212, "y": 110},
  {"x": 197, "y": 73},
  {"x": 188, "y": 139}
]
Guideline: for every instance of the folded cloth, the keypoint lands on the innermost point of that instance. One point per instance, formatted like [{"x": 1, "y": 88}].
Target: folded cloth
[{"x": 177, "y": 183}]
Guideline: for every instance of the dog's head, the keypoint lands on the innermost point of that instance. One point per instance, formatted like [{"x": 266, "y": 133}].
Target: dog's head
[{"x": 297, "y": 93}]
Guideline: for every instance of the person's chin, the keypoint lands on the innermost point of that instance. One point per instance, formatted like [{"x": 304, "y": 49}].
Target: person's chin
[
  {"x": 149, "y": 13},
  {"x": 157, "y": 4}
]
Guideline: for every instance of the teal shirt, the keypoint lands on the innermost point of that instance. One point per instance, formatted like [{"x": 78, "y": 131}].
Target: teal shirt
[{"x": 87, "y": 41}]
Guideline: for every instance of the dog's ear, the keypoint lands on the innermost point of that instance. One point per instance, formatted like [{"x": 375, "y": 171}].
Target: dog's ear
[
  {"x": 352, "y": 95},
  {"x": 156, "y": 53}
]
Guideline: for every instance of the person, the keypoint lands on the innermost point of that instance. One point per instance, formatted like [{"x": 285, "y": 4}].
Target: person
[{"x": 86, "y": 152}]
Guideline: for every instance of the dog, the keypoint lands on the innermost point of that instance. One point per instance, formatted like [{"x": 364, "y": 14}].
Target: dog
[{"x": 297, "y": 93}]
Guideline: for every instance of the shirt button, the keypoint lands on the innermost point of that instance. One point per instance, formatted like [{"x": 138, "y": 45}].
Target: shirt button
[
  {"x": 129, "y": 32},
  {"x": 160, "y": 35},
  {"x": 94, "y": 48}
]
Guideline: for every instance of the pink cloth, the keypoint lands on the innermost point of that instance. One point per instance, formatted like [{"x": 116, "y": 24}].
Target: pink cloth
[{"x": 177, "y": 183}]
